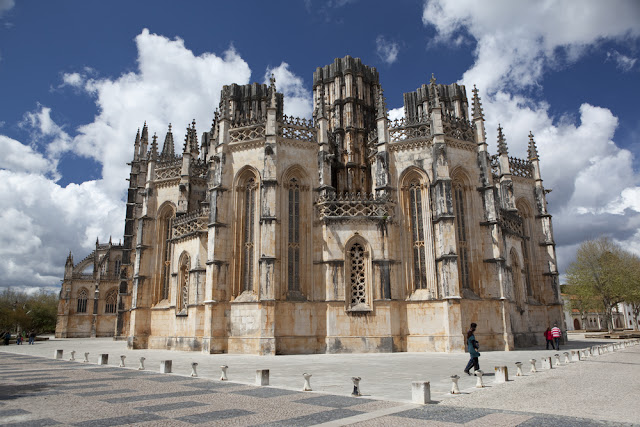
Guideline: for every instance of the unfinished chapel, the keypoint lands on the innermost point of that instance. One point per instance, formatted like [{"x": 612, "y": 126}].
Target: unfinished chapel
[{"x": 344, "y": 232}]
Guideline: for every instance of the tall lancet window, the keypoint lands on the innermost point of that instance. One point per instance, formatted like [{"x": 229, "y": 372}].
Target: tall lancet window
[
  {"x": 248, "y": 240},
  {"x": 417, "y": 235},
  {"x": 462, "y": 235},
  {"x": 164, "y": 236},
  {"x": 183, "y": 284},
  {"x": 358, "y": 275},
  {"x": 82, "y": 301},
  {"x": 293, "y": 267}
]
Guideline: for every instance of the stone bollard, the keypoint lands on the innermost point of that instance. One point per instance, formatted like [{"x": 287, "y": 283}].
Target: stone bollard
[
  {"x": 533, "y": 365},
  {"x": 502, "y": 374},
  {"x": 519, "y": 371},
  {"x": 262, "y": 377},
  {"x": 141, "y": 367},
  {"x": 546, "y": 363},
  {"x": 86, "y": 358},
  {"x": 307, "y": 382},
  {"x": 356, "y": 386},
  {"x": 223, "y": 376},
  {"x": 58, "y": 354},
  {"x": 566, "y": 357},
  {"x": 479, "y": 374},
  {"x": 454, "y": 384},
  {"x": 575, "y": 355},
  {"x": 73, "y": 355},
  {"x": 103, "y": 359},
  {"x": 165, "y": 366},
  {"x": 194, "y": 365},
  {"x": 122, "y": 357},
  {"x": 421, "y": 392},
  {"x": 557, "y": 356}
]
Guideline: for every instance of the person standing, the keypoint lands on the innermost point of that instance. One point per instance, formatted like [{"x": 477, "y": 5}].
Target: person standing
[
  {"x": 7, "y": 337},
  {"x": 32, "y": 337},
  {"x": 472, "y": 347},
  {"x": 556, "y": 334},
  {"x": 549, "y": 337}
]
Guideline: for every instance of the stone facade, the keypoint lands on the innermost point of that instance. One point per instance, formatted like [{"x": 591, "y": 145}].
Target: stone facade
[{"x": 344, "y": 233}]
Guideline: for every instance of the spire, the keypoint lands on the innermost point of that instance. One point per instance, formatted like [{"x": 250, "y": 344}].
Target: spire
[
  {"x": 533, "y": 150},
  {"x": 136, "y": 146},
  {"x": 97, "y": 242},
  {"x": 167, "y": 148},
  {"x": 272, "y": 80},
  {"x": 381, "y": 105},
  {"x": 191, "y": 140},
  {"x": 154, "y": 147},
  {"x": 321, "y": 107},
  {"x": 145, "y": 132},
  {"x": 109, "y": 240},
  {"x": 70, "y": 258},
  {"x": 432, "y": 82},
  {"x": 477, "y": 105},
  {"x": 502, "y": 144}
]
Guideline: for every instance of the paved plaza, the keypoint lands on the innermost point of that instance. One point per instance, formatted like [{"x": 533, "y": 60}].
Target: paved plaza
[{"x": 36, "y": 389}]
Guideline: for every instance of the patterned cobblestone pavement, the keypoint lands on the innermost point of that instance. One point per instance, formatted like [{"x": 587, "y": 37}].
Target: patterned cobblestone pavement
[{"x": 36, "y": 391}]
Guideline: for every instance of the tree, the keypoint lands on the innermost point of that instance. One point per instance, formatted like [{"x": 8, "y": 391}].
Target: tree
[
  {"x": 20, "y": 311},
  {"x": 600, "y": 271},
  {"x": 632, "y": 292}
]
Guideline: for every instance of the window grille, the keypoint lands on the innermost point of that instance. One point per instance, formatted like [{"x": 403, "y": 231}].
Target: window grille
[
  {"x": 461, "y": 231},
  {"x": 358, "y": 276},
  {"x": 294, "y": 236},
  {"x": 417, "y": 233},
  {"x": 82, "y": 301},
  {"x": 249, "y": 231},
  {"x": 110, "y": 302},
  {"x": 184, "y": 288}
]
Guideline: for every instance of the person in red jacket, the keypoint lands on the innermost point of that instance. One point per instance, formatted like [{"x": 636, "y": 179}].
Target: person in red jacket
[{"x": 549, "y": 337}]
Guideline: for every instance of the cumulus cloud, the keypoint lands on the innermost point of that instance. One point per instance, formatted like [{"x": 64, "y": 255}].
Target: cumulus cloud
[
  {"x": 6, "y": 5},
  {"x": 297, "y": 97},
  {"x": 623, "y": 62},
  {"x": 595, "y": 188},
  {"x": 170, "y": 85},
  {"x": 386, "y": 50},
  {"x": 518, "y": 40}
]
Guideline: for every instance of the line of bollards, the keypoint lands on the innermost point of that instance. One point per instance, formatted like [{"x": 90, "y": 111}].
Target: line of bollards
[{"x": 420, "y": 390}]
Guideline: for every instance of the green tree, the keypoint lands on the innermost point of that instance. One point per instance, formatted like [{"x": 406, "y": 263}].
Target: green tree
[
  {"x": 21, "y": 311},
  {"x": 601, "y": 272},
  {"x": 632, "y": 291}
]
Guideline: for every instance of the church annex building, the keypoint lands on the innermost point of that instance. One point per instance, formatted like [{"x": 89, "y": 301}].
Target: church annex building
[{"x": 347, "y": 232}]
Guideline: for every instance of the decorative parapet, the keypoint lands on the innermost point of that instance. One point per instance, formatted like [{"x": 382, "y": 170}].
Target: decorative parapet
[
  {"x": 521, "y": 168},
  {"x": 246, "y": 130},
  {"x": 170, "y": 172},
  {"x": 297, "y": 128},
  {"x": 354, "y": 206},
  {"x": 457, "y": 128},
  {"x": 190, "y": 223},
  {"x": 410, "y": 128},
  {"x": 511, "y": 223}
]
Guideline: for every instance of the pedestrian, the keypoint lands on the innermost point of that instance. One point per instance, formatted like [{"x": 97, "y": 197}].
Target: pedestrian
[
  {"x": 549, "y": 337},
  {"x": 556, "y": 334},
  {"x": 18, "y": 339},
  {"x": 7, "y": 337},
  {"x": 32, "y": 336},
  {"x": 472, "y": 347}
]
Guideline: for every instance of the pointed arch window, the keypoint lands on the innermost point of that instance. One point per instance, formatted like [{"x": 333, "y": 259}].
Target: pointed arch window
[
  {"x": 182, "y": 300},
  {"x": 110, "y": 301},
  {"x": 523, "y": 211},
  {"x": 116, "y": 272},
  {"x": 164, "y": 236},
  {"x": 462, "y": 235},
  {"x": 293, "y": 244},
  {"x": 417, "y": 235},
  {"x": 516, "y": 274},
  {"x": 248, "y": 240},
  {"x": 358, "y": 275},
  {"x": 82, "y": 301}
]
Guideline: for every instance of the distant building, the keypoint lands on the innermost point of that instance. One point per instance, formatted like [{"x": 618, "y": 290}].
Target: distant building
[{"x": 344, "y": 233}]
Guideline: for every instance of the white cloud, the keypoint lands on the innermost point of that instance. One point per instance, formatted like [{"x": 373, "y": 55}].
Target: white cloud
[
  {"x": 595, "y": 189},
  {"x": 297, "y": 98},
  {"x": 6, "y": 5},
  {"x": 396, "y": 113},
  {"x": 517, "y": 40},
  {"x": 623, "y": 62},
  {"x": 171, "y": 84},
  {"x": 386, "y": 50}
]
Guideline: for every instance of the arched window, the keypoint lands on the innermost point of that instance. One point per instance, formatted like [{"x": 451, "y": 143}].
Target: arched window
[
  {"x": 462, "y": 233},
  {"x": 516, "y": 274},
  {"x": 293, "y": 244},
  {"x": 183, "y": 284},
  {"x": 248, "y": 234},
  {"x": 118, "y": 264},
  {"x": 110, "y": 301},
  {"x": 416, "y": 205},
  {"x": 82, "y": 300},
  {"x": 165, "y": 219},
  {"x": 525, "y": 214},
  {"x": 357, "y": 277}
]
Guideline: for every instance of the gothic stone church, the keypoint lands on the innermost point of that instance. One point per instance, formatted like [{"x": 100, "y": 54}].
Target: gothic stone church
[{"x": 347, "y": 232}]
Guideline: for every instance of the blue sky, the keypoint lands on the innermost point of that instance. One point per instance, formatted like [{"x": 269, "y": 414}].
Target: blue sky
[{"x": 78, "y": 78}]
